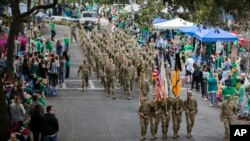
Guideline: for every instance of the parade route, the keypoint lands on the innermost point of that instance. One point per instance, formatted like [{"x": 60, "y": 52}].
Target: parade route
[{"x": 91, "y": 116}]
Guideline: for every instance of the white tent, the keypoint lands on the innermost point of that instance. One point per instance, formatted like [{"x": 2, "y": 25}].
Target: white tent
[
  {"x": 173, "y": 24},
  {"x": 167, "y": 9},
  {"x": 133, "y": 6}
]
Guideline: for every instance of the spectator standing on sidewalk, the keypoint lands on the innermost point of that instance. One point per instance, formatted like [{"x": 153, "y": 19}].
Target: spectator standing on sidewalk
[
  {"x": 66, "y": 42},
  {"x": 73, "y": 33},
  {"x": 36, "y": 122},
  {"x": 17, "y": 110},
  {"x": 205, "y": 76},
  {"x": 49, "y": 45},
  {"x": 53, "y": 30},
  {"x": 212, "y": 89},
  {"x": 62, "y": 70},
  {"x": 50, "y": 125},
  {"x": 67, "y": 58},
  {"x": 59, "y": 48}
]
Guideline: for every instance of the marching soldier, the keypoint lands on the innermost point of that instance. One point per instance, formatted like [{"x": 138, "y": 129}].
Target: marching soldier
[
  {"x": 111, "y": 77},
  {"x": 227, "y": 113},
  {"x": 84, "y": 69},
  {"x": 144, "y": 85},
  {"x": 165, "y": 106},
  {"x": 191, "y": 109},
  {"x": 153, "y": 116},
  {"x": 144, "y": 116},
  {"x": 129, "y": 79},
  {"x": 176, "y": 115}
]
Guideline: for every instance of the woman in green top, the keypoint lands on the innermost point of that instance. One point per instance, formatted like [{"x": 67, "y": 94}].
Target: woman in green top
[
  {"x": 49, "y": 45},
  {"x": 66, "y": 42}
]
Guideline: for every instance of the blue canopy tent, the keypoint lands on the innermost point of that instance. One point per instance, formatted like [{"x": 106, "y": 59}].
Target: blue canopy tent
[
  {"x": 189, "y": 30},
  {"x": 214, "y": 35},
  {"x": 158, "y": 20}
]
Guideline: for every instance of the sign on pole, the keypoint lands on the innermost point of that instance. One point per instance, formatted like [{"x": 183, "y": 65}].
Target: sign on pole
[{"x": 218, "y": 47}]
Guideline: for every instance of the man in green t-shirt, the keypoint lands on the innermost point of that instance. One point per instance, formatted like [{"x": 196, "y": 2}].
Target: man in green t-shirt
[
  {"x": 39, "y": 46},
  {"x": 53, "y": 31}
]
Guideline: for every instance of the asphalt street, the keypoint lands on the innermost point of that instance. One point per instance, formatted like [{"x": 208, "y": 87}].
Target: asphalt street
[{"x": 91, "y": 116}]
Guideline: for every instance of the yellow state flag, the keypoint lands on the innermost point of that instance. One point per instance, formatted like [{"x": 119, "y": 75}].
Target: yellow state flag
[{"x": 176, "y": 86}]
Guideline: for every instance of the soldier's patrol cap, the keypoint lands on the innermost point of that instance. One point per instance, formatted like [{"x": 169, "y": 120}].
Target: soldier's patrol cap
[
  {"x": 228, "y": 96},
  {"x": 189, "y": 93},
  {"x": 144, "y": 98}
]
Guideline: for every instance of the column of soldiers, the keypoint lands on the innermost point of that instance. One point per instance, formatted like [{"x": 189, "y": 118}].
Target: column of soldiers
[
  {"x": 116, "y": 58},
  {"x": 156, "y": 111}
]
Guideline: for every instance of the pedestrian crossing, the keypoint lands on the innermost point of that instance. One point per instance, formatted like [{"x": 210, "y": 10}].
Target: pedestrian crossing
[{"x": 93, "y": 85}]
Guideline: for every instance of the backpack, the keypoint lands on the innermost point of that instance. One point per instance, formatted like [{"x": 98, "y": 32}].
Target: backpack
[
  {"x": 196, "y": 73},
  {"x": 51, "y": 91}
]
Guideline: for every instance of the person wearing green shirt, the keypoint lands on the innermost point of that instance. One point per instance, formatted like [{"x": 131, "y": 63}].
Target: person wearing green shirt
[
  {"x": 188, "y": 48},
  {"x": 53, "y": 30},
  {"x": 122, "y": 24},
  {"x": 228, "y": 90},
  {"x": 67, "y": 58},
  {"x": 39, "y": 46},
  {"x": 241, "y": 94},
  {"x": 228, "y": 49},
  {"x": 66, "y": 42},
  {"x": 49, "y": 45},
  {"x": 218, "y": 62},
  {"x": 234, "y": 77}
]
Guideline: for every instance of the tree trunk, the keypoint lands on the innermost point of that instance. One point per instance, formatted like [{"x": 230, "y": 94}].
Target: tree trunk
[
  {"x": 4, "y": 118},
  {"x": 28, "y": 8},
  {"x": 10, "y": 50}
]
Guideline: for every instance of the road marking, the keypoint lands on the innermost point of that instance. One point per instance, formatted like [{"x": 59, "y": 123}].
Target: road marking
[
  {"x": 81, "y": 88},
  {"x": 91, "y": 84},
  {"x": 78, "y": 80},
  {"x": 64, "y": 85}
]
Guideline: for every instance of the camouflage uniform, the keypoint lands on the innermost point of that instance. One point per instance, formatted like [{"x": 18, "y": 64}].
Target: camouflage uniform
[
  {"x": 144, "y": 85},
  {"x": 111, "y": 77},
  {"x": 228, "y": 109},
  {"x": 177, "y": 114},
  {"x": 165, "y": 107},
  {"x": 144, "y": 116},
  {"x": 153, "y": 116},
  {"x": 84, "y": 69},
  {"x": 191, "y": 109},
  {"x": 130, "y": 72}
]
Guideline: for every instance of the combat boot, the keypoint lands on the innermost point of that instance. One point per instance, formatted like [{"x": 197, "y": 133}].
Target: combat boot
[
  {"x": 152, "y": 137},
  {"x": 129, "y": 96},
  {"x": 188, "y": 134},
  {"x": 142, "y": 138},
  {"x": 175, "y": 135},
  {"x": 164, "y": 136},
  {"x": 113, "y": 95},
  {"x": 107, "y": 94}
]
